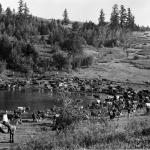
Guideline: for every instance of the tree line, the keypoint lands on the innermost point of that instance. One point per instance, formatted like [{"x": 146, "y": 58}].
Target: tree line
[{"x": 20, "y": 31}]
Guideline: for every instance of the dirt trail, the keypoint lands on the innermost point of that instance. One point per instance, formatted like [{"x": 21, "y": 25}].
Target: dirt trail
[{"x": 23, "y": 133}]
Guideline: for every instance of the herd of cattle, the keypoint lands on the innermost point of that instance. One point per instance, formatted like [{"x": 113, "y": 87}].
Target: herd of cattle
[
  {"x": 127, "y": 101},
  {"x": 119, "y": 99}
]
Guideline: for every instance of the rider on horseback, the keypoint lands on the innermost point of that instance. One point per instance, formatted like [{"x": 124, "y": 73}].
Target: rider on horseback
[{"x": 6, "y": 121}]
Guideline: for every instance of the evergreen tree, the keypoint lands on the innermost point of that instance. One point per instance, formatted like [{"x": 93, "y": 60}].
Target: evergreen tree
[
  {"x": 51, "y": 38},
  {"x": 114, "y": 20},
  {"x": 20, "y": 8},
  {"x": 66, "y": 19},
  {"x": 132, "y": 26},
  {"x": 101, "y": 18},
  {"x": 8, "y": 11},
  {"x": 75, "y": 26},
  {"x": 25, "y": 10},
  {"x": 123, "y": 16},
  {"x": 1, "y": 9},
  {"x": 73, "y": 44},
  {"x": 9, "y": 30},
  {"x": 129, "y": 19}
]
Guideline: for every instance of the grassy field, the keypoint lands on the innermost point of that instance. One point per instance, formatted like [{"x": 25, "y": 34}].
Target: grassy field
[
  {"x": 114, "y": 64},
  {"x": 95, "y": 134}
]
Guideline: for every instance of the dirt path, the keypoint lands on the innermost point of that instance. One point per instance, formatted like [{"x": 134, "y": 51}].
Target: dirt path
[{"x": 23, "y": 133}]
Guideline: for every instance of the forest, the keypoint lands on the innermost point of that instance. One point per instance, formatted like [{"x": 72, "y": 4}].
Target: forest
[{"x": 22, "y": 35}]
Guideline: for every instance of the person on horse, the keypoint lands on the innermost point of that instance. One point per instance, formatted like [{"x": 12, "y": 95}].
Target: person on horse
[{"x": 5, "y": 120}]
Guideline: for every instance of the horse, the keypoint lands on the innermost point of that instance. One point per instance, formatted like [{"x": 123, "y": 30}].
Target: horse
[{"x": 11, "y": 128}]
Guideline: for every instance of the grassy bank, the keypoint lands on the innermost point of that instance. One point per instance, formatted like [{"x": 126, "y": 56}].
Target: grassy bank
[{"x": 93, "y": 135}]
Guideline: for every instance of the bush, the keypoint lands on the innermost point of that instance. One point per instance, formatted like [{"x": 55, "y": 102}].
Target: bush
[
  {"x": 87, "y": 61},
  {"x": 136, "y": 57},
  {"x": 59, "y": 60},
  {"x": 2, "y": 66}
]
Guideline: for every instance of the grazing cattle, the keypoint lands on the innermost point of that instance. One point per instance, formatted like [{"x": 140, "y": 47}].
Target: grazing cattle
[
  {"x": 95, "y": 113},
  {"x": 97, "y": 96},
  {"x": 112, "y": 113},
  {"x": 147, "y": 82},
  {"x": 109, "y": 103},
  {"x": 37, "y": 117},
  {"x": 147, "y": 105},
  {"x": 22, "y": 109},
  {"x": 110, "y": 97},
  {"x": 77, "y": 101},
  {"x": 98, "y": 101}
]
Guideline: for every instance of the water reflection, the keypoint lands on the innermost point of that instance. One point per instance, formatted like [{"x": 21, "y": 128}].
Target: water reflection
[{"x": 37, "y": 99}]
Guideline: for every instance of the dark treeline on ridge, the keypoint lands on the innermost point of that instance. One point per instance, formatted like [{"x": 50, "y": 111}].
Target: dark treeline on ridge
[{"x": 21, "y": 34}]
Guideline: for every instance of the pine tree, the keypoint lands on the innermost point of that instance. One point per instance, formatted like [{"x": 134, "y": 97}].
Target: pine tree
[
  {"x": 66, "y": 19},
  {"x": 132, "y": 26},
  {"x": 114, "y": 19},
  {"x": 20, "y": 8},
  {"x": 1, "y": 9},
  {"x": 25, "y": 10},
  {"x": 101, "y": 19},
  {"x": 73, "y": 44},
  {"x": 123, "y": 16},
  {"x": 8, "y": 11},
  {"x": 9, "y": 30},
  {"x": 75, "y": 26},
  {"x": 129, "y": 19}
]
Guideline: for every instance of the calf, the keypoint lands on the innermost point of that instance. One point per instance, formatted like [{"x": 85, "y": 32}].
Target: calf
[{"x": 147, "y": 105}]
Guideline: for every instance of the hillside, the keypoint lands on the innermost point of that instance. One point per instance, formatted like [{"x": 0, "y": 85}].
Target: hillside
[{"x": 113, "y": 63}]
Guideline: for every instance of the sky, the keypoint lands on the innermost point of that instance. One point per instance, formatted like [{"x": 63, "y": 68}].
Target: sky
[{"x": 83, "y": 10}]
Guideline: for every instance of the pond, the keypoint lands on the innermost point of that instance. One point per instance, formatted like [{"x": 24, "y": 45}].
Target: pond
[{"x": 37, "y": 99}]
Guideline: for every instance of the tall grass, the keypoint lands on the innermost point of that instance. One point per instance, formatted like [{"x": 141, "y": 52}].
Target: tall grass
[{"x": 93, "y": 136}]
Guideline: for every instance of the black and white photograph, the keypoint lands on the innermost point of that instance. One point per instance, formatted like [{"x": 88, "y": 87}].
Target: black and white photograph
[{"x": 74, "y": 74}]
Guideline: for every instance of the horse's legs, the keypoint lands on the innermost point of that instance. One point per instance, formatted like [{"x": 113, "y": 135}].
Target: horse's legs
[{"x": 10, "y": 137}]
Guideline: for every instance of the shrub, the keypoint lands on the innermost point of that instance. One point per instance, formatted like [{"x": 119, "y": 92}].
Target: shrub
[
  {"x": 87, "y": 61},
  {"x": 81, "y": 61},
  {"x": 59, "y": 60},
  {"x": 76, "y": 62},
  {"x": 2, "y": 66},
  {"x": 136, "y": 57}
]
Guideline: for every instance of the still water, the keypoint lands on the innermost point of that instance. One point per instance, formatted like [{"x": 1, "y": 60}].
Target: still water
[{"x": 37, "y": 99}]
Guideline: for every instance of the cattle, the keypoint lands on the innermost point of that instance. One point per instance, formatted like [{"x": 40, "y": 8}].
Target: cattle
[
  {"x": 97, "y": 96},
  {"x": 110, "y": 97},
  {"x": 95, "y": 113},
  {"x": 112, "y": 113},
  {"x": 22, "y": 109},
  {"x": 77, "y": 101},
  {"x": 147, "y": 105},
  {"x": 37, "y": 117}
]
